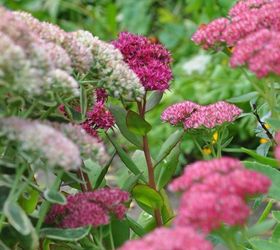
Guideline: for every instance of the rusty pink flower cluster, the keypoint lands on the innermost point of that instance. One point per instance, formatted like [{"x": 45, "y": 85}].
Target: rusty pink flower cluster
[
  {"x": 222, "y": 186},
  {"x": 194, "y": 116},
  {"x": 252, "y": 29},
  {"x": 90, "y": 208},
  {"x": 99, "y": 118},
  {"x": 179, "y": 238},
  {"x": 150, "y": 62}
]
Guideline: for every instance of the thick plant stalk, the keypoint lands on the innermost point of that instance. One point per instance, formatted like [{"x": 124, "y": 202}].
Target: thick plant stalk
[{"x": 149, "y": 163}]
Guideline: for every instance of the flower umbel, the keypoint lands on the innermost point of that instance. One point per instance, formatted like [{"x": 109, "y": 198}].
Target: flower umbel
[
  {"x": 221, "y": 185},
  {"x": 194, "y": 116}
]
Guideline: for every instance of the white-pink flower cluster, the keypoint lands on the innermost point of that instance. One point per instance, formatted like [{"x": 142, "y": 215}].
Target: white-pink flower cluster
[
  {"x": 28, "y": 63},
  {"x": 42, "y": 142},
  {"x": 89, "y": 146},
  {"x": 111, "y": 71},
  {"x": 252, "y": 29},
  {"x": 194, "y": 116}
]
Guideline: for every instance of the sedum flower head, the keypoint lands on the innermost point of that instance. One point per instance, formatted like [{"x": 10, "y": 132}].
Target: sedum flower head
[
  {"x": 177, "y": 113},
  {"x": 252, "y": 29},
  {"x": 81, "y": 56},
  {"x": 260, "y": 52},
  {"x": 43, "y": 141},
  {"x": 90, "y": 208},
  {"x": 177, "y": 238},
  {"x": 221, "y": 185},
  {"x": 117, "y": 78},
  {"x": 194, "y": 116},
  {"x": 30, "y": 64},
  {"x": 89, "y": 146},
  {"x": 150, "y": 62},
  {"x": 100, "y": 117}
]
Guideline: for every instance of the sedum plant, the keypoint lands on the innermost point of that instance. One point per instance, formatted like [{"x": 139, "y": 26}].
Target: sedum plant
[{"x": 69, "y": 101}]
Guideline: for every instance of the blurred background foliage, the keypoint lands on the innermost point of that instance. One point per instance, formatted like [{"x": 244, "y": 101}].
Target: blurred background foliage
[{"x": 198, "y": 76}]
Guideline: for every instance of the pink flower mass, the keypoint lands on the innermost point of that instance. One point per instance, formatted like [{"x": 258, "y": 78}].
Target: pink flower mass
[
  {"x": 195, "y": 116},
  {"x": 90, "y": 208},
  {"x": 252, "y": 29},
  {"x": 170, "y": 239},
  {"x": 150, "y": 62},
  {"x": 222, "y": 186},
  {"x": 99, "y": 117}
]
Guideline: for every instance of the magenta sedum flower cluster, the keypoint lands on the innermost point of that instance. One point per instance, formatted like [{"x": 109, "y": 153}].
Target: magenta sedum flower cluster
[{"x": 150, "y": 62}]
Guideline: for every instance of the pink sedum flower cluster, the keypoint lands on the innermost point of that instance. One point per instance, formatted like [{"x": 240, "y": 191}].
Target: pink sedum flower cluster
[
  {"x": 99, "y": 118},
  {"x": 194, "y": 116},
  {"x": 90, "y": 208},
  {"x": 150, "y": 62},
  {"x": 179, "y": 238},
  {"x": 221, "y": 185},
  {"x": 252, "y": 29}
]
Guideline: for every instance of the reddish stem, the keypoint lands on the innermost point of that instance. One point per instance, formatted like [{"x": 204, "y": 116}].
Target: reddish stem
[{"x": 149, "y": 163}]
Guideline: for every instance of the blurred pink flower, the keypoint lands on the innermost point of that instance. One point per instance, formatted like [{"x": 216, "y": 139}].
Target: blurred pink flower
[
  {"x": 209, "y": 210},
  {"x": 252, "y": 30},
  {"x": 260, "y": 51},
  {"x": 178, "y": 238}
]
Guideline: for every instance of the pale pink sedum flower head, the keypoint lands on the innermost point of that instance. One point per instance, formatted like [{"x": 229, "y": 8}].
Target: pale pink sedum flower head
[
  {"x": 178, "y": 238},
  {"x": 43, "y": 141},
  {"x": 177, "y": 113},
  {"x": 40, "y": 65},
  {"x": 81, "y": 56},
  {"x": 90, "y": 208},
  {"x": 89, "y": 146},
  {"x": 195, "y": 116}
]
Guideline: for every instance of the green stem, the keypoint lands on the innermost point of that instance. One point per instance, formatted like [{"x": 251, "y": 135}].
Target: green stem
[
  {"x": 111, "y": 238},
  {"x": 266, "y": 211},
  {"x": 30, "y": 110}
]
